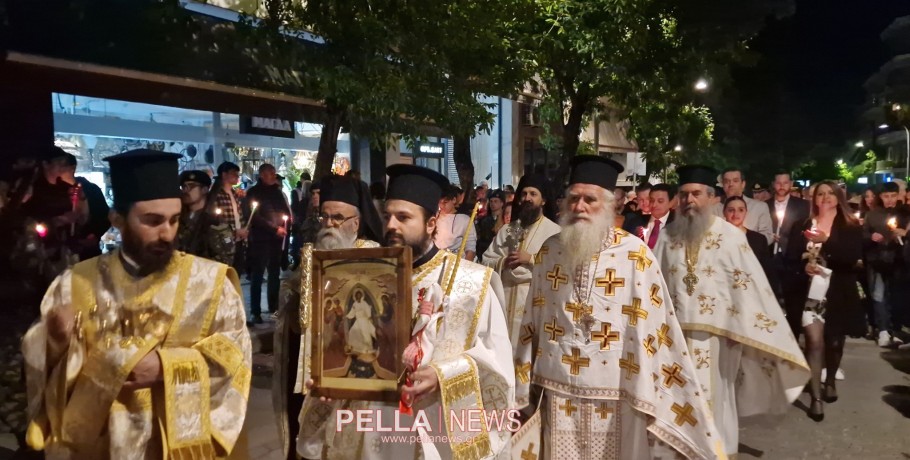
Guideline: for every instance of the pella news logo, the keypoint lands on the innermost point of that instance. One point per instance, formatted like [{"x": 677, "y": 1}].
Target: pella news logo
[{"x": 465, "y": 420}]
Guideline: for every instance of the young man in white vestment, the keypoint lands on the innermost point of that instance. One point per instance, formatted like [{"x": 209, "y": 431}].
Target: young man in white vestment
[
  {"x": 746, "y": 357},
  {"x": 459, "y": 358},
  {"x": 141, "y": 353},
  {"x": 516, "y": 248},
  {"x": 601, "y": 342}
]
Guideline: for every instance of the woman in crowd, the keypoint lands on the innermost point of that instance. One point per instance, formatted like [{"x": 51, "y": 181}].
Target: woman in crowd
[
  {"x": 826, "y": 324},
  {"x": 869, "y": 202},
  {"x": 735, "y": 210}
]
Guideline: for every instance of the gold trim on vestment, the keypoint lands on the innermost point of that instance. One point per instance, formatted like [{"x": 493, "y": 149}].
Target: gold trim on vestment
[
  {"x": 227, "y": 355},
  {"x": 183, "y": 369},
  {"x": 479, "y": 306},
  {"x": 699, "y": 327},
  {"x": 209, "y": 318},
  {"x": 455, "y": 389}
]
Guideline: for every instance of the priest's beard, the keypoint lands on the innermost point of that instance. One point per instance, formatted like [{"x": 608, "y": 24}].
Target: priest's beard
[
  {"x": 582, "y": 239},
  {"x": 528, "y": 213},
  {"x": 151, "y": 257},
  {"x": 691, "y": 224},
  {"x": 335, "y": 238},
  {"x": 418, "y": 244}
]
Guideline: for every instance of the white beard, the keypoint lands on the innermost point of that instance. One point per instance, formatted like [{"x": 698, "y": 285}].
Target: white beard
[
  {"x": 334, "y": 238},
  {"x": 691, "y": 227},
  {"x": 582, "y": 240}
]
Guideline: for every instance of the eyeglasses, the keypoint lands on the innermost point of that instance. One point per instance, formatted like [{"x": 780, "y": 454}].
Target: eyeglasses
[{"x": 334, "y": 219}]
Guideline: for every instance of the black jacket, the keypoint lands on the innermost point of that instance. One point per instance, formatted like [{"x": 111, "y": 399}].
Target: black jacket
[
  {"x": 797, "y": 212},
  {"x": 268, "y": 215}
]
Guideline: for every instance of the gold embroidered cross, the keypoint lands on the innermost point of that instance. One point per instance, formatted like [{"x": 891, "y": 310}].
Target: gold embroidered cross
[
  {"x": 569, "y": 408},
  {"x": 671, "y": 375},
  {"x": 539, "y": 301},
  {"x": 663, "y": 336},
  {"x": 634, "y": 311},
  {"x": 554, "y": 330},
  {"x": 575, "y": 361},
  {"x": 629, "y": 365},
  {"x": 578, "y": 310},
  {"x": 538, "y": 258},
  {"x": 610, "y": 282},
  {"x": 684, "y": 414},
  {"x": 605, "y": 336},
  {"x": 603, "y": 411},
  {"x": 524, "y": 372},
  {"x": 556, "y": 277},
  {"x": 649, "y": 345},
  {"x": 641, "y": 258},
  {"x": 618, "y": 235},
  {"x": 528, "y": 334},
  {"x": 655, "y": 296},
  {"x": 529, "y": 454}
]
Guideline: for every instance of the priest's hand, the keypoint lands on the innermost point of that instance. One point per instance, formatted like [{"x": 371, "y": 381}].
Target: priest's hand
[
  {"x": 425, "y": 384},
  {"x": 517, "y": 259},
  {"x": 60, "y": 321},
  {"x": 146, "y": 373}
]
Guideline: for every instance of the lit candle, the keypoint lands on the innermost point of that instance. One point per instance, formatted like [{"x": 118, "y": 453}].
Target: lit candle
[
  {"x": 780, "y": 223},
  {"x": 284, "y": 242},
  {"x": 254, "y": 205},
  {"x": 217, "y": 211},
  {"x": 856, "y": 214},
  {"x": 892, "y": 224},
  {"x": 41, "y": 230}
]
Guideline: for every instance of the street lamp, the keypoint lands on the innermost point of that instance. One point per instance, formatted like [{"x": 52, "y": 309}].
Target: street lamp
[
  {"x": 883, "y": 126},
  {"x": 859, "y": 145},
  {"x": 701, "y": 85},
  {"x": 678, "y": 148}
]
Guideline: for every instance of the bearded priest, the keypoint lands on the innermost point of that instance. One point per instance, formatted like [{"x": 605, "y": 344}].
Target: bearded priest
[
  {"x": 746, "y": 357},
  {"x": 341, "y": 212},
  {"x": 516, "y": 248},
  {"x": 601, "y": 339},
  {"x": 142, "y": 352},
  {"x": 459, "y": 358}
]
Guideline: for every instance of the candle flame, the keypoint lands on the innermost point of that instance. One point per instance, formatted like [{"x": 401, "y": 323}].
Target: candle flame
[
  {"x": 284, "y": 217},
  {"x": 892, "y": 223},
  {"x": 255, "y": 204},
  {"x": 217, "y": 211},
  {"x": 41, "y": 230}
]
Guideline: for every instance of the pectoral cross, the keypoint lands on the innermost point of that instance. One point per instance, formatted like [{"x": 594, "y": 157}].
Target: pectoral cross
[
  {"x": 575, "y": 361},
  {"x": 691, "y": 279},
  {"x": 587, "y": 322}
]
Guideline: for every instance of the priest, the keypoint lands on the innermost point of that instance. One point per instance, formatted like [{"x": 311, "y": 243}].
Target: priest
[
  {"x": 600, "y": 343},
  {"x": 340, "y": 213},
  {"x": 517, "y": 247},
  {"x": 142, "y": 352},
  {"x": 746, "y": 357},
  {"x": 459, "y": 358}
]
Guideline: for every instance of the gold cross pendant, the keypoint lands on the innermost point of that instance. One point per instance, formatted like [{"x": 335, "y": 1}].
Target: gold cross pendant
[
  {"x": 587, "y": 323},
  {"x": 691, "y": 279}
]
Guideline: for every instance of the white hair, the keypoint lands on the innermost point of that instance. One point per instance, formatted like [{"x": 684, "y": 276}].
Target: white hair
[
  {"x": 692, "y": 223},
  {"x": 584, "y": 238}
]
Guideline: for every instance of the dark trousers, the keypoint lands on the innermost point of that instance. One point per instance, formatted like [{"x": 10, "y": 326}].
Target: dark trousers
[
  {"x": 264, "y": 255},
  {"x": 295, "y": 400}
]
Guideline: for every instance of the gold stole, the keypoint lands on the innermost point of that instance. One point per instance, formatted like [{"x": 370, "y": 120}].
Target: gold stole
[
  {"x": 98, "y": 384},
  {"x": 459, "y": 379}
]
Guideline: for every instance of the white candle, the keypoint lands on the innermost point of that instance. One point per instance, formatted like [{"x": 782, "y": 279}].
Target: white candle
[
  {"x": 254, "y": 205},
  {"x": 780, "y": 222},
  {"x": 284, "y": 241},
  {"x": 892, "y": 224}
]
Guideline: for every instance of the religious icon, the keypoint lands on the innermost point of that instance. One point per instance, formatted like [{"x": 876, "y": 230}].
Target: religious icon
[{"x": 362, "y": 323}]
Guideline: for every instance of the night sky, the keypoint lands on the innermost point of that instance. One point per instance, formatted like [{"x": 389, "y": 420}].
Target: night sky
[{"x": 806, "y": 87}]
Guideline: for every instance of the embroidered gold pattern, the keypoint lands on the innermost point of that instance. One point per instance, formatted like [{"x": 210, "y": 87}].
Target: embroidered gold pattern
[
  {"x": 656, "y": 301},
  {"x": 603, "y": 410},
  {"x": 702, "y": 358},
  {"x": 663, "y": 336},
  {"x": 706, "y": 304},
  {"x": 528, "y": 334},
  {"x": 629, "y": 365},
  {"x": 671, "y": 375},
  {"x": 684, "y": 414},
  {"x": 575, "y": 361},
  {"x": 529, "y": 453},
  {"x": 554, "y": 330},
  {"x": 568, "y": 407},
  {"x": 641, "y": 258},
  {"x": 578, "y": 310},
  {"x": 538, "y": 258},
  {"x": 610, "y": 282},
  {"x": 523, "y": 371},
  {"x": 649, "y": 345},
  {"x": 556, "y": 277},
  {"x": 741, "y": 280},
  {"x": 605, "y": 336},
  {"x": 634, "y": 311},
  {"x": 764, "y": 323}
]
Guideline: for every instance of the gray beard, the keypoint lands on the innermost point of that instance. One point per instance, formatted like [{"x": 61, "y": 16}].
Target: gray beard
[
  {"x": 691, "y": 227},
  {"x": 334, "y": 238},
  {"x": 582, "y": 240}
]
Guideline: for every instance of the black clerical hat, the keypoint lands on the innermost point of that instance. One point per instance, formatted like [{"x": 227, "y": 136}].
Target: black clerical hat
[
  {"x": 199, "y": 177},
  {"x": 594, "y": 170},
  {"x": 417, "y": 185},
  {"x": 143, "y": 175},
  {"x": 697, "y": 174},
  {"x": 538, "y": 181},
  {"x": 339, "y": 188}
]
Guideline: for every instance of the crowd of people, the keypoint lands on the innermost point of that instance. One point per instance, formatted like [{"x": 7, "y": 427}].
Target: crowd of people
[{"x": 657, "y": 316}]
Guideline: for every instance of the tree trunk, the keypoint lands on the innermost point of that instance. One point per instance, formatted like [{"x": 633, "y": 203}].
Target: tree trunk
[
  {"x": 464, "y": 165},
  {"x": 328, "y": 142},
  {"x": 571, "y": 131}
]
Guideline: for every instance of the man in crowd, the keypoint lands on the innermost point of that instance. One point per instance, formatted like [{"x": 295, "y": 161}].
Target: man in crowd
[
  {"x": 616, "y": 381},
  {"x": 454, "y": 349},
  {"x": 516, "y": 249},
  {"x": 758, "y": 218},
  {"x": 451, "y": 226},
  {"x": 227, "y": 210},
  {"x": 148, "y": 343},
  {"x": 786, "y": 212},
  {"x": 268, "y": 229},
  {"x": 340, "y": 225},
  {"x": 661, "y": 198},
  {"x": 487, "y": 225},
  {"x": 760, "y": 192},
  {"x": 746, "y": 358},
  {"x": 884, "y": 254},
  {"x": 86, "y": 239},
  {"x": 200, "y": 233},
  {"x": 639, "y": 217}
]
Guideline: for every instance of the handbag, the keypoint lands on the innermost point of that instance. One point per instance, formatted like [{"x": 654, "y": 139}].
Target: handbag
[{"x": 526, "y": 441}]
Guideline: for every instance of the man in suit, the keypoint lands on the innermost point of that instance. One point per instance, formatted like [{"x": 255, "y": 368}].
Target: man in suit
[
  {"x": 639, "y": 217},
  {"x": 661, "y": 198},
  {"x": 758, "y": 218},
  {"x": 786, "y": 211}
]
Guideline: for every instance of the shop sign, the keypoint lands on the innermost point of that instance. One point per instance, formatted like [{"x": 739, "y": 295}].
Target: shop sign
[
  {"x": 430, "y": 149},
  {"x": 265, "y": 126}
]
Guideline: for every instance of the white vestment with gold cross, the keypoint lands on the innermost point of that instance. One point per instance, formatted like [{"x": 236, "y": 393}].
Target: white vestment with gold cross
[
  {"x": 191, "y": 314},
  {"x": 468, "y": 346},
  {"x": 746, "y": 357},
  {"x": 613, "y": 366},
  {"x": 516, "y": 281}
]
